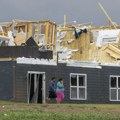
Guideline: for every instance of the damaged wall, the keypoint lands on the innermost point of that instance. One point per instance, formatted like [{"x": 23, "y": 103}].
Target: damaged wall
[
  {"x": 105, "y": 46},
  {"x": 43, "y": 32},
  {"x": 76, "y": 43}
]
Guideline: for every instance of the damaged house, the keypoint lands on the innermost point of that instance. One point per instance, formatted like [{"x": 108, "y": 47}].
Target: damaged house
[{"x": 84, "y": 57}]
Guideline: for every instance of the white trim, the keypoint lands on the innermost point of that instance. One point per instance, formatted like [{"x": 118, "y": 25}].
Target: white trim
[
  {"x": 110, "y": 65},
  {"x": 84, "y": 64},
  {"x": 117, "y": 87},
  {"x": 36, "y": 72},
  {"x": 97, "y": 67},
  {"x": 43, "y": 85},
  {"x": 85, "y": 87}
]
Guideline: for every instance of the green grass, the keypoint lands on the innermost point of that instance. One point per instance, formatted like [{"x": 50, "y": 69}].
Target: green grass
[
  {"x": 40, "y": 115},
  {"x": 24, "y": 111}
]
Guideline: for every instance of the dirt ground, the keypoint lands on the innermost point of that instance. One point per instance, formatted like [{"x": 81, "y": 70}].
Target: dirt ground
[{"x": 69, "y": 108}]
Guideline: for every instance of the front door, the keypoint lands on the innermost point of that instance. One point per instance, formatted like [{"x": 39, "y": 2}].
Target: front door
[{"x": 36, "y": 87}]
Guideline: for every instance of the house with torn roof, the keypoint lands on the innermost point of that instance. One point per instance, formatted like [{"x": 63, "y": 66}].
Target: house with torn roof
[
  {"x": 26, "y": 77},
  {"x": 106, "y": 46}
]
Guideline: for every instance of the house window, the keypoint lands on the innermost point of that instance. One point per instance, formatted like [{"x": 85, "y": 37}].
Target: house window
[
  {"x": 78, "y": 86},
  {"x": 109, "y": 40},
  {"x": 114, "y": 88}
]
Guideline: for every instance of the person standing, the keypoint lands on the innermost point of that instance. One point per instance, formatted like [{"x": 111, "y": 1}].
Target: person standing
[
  {"x": 60, "y": 91},
  {"x": 52, "y": 90}
]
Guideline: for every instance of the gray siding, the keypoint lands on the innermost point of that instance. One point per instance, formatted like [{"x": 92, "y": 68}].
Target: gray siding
[
  {"x": 97, "y": 81},
  {"x": 6, "y": 80},
  {"x": 21, "y": 78}
]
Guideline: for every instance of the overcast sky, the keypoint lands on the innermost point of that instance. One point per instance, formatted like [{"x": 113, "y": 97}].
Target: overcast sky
[{"x": 80, "y": 10}]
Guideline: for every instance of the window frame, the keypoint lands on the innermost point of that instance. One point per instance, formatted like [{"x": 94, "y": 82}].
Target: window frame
[
  {"x": 85, "y": 86},
  {"x": 117, "y": 88}
]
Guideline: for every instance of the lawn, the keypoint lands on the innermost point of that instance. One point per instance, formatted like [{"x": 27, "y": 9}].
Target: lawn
[{"x": 24, "y": 111}]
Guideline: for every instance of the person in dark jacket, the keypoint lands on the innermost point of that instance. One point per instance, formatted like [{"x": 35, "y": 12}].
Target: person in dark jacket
[{"x": 52, "y": 90}]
